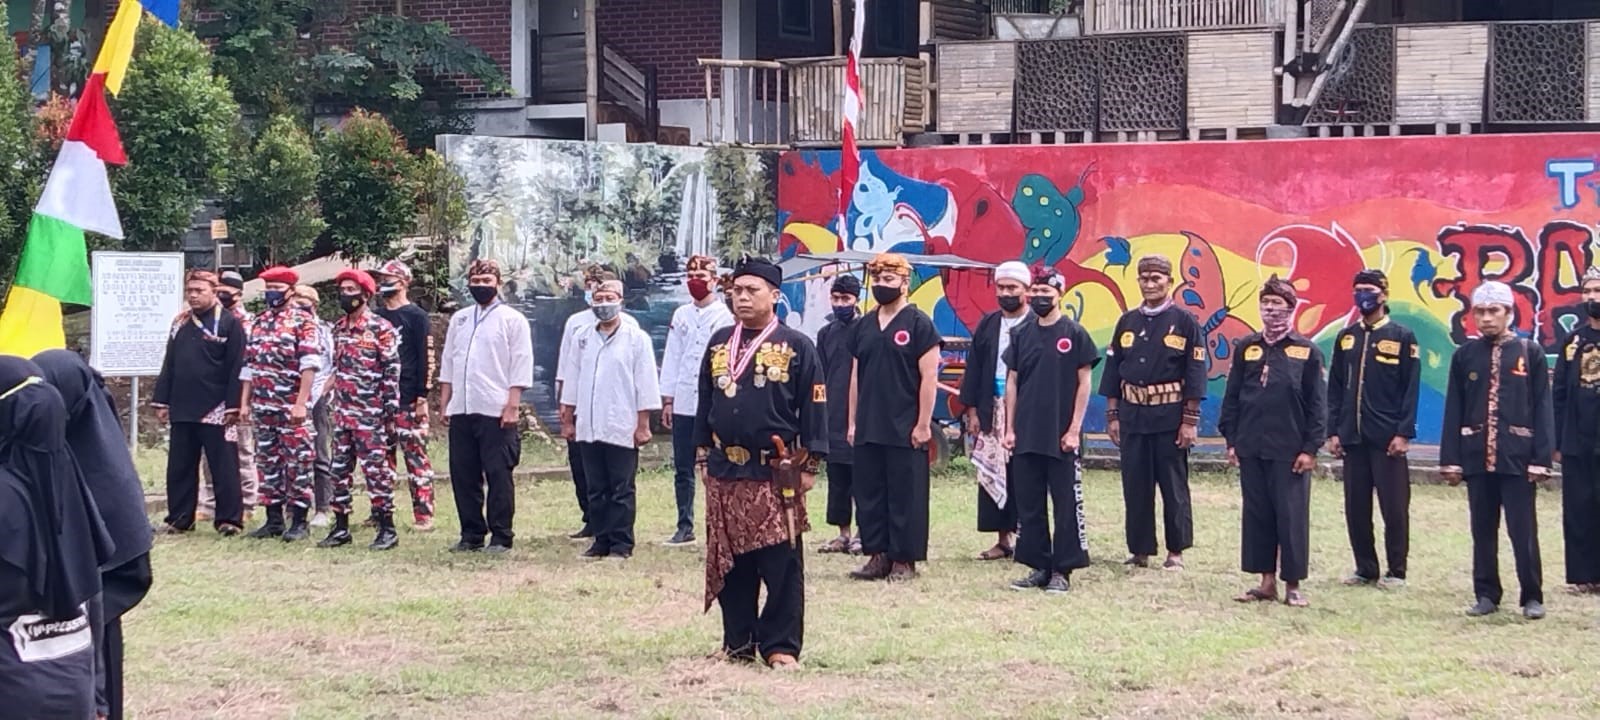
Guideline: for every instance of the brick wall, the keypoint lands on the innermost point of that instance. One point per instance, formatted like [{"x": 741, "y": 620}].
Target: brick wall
[{"x": 669, "y": 36}]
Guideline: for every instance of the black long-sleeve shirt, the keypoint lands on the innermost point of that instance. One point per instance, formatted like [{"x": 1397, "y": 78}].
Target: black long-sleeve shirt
[
  {"x": 1497, "y": 409},
  {"x": 1576, "y": 393},
  {"x": 833, "y": 345},
  {"x": 1149, "y": 352},
  {"x": 1373, "y": 382},
  {"x": 201, "y": 369},
  {"x": 1275, "y": 406},
  {"x": 790, "y": 402},
  {"x": 412, "y": 322}
]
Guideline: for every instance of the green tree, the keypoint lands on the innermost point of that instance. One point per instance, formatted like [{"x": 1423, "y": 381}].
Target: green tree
[
  {"x": 273, "y": 208},
  {"x": 368, "y": 186},
  {"x": 263, "y": 48},
  {"x": 442, "y": 201},
  {"x": 20, "y": 164},
  {"x": 177, "y": 121}
]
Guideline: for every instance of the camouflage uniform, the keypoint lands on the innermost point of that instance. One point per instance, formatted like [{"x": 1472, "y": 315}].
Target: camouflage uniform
[
  {"x": 283, "y": 343},
  {"x": 241, "y": 435},
  {"x": 411, "y": 439},
  {"x": 366, "y": 397}
]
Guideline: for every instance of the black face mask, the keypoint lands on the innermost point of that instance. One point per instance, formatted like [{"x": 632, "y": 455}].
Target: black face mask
[
  {"x": 484, "y": 294},
  {"x": 1041, "y": 305},
  {"x": 351, "y": 303},
  {"x": 885, "y": 294},
  {"x": 1592, "y": 307},
  {"x": 845, "y": 313},
  {"x": 227, "y": 299},
  {"x": 1010, "y": 303}
]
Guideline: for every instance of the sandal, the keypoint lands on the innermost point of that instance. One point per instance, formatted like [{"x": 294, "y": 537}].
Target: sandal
[
  {"x": 1173, "y": 563},
  {"x": 1256, "y": 595},
  {"x": 998, "y": 552},
  {"x": 839, "y": 544},
  {"x": 1295, "y": 598},
  {"x": 855, "y": 546}
]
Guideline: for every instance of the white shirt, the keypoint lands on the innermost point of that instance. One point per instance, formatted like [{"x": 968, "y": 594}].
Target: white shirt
[
  {"x": 487, "y": 351},
  {"x": 319, "y": 382},
  {"x": 1006, "y": 326},
  {"x": 687, "y": 339},
  {"x": 613, "y": 381},
  {"x": 568, "y": 352}
]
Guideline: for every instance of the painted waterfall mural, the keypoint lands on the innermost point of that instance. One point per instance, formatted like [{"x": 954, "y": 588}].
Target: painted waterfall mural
[{"x": 1440, "y": 215}]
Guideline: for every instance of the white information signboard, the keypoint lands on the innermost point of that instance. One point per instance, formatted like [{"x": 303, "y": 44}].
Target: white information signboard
[{"x": 136, "y": 296}]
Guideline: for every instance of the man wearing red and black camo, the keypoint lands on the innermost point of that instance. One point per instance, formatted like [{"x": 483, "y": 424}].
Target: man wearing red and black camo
[
  {"x": 365, "y": 401},
  {"x": 410, "y": 436},
  {"x": 280, "y": 363}
]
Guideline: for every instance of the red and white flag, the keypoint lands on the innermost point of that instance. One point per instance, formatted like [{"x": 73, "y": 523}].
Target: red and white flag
[{"x": 850, "y": 155}]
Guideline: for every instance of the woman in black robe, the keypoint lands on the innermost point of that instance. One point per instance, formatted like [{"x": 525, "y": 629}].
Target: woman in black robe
[
  {"x": 52, "y": 545},
  {"x": 94, "y": 435}
]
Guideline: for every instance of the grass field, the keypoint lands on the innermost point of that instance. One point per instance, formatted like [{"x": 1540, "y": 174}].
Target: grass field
[{"x": 247, "y": 629}]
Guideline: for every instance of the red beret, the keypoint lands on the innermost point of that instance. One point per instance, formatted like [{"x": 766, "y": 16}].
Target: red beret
[
  {"x": 280, "y": 274},
  {"x": 359, "y": 277}
]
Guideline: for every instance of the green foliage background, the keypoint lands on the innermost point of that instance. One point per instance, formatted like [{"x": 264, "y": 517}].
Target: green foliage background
[
  {"x": 273, "y": 210},
  {"x": 368, "y": 186}
]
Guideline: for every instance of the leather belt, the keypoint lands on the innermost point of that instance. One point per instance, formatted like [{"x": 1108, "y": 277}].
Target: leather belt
[
  {"x": 1166, "y": 393},
  {"x": 738, "y": 454}
]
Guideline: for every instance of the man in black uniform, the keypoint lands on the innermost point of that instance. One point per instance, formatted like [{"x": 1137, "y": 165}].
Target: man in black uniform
[
  {"x": 1048, "y": 363},
  {"x": 1577, "y": 418},
  {"x": 892, "y": 389},
  {"x": 1498, "y": 435},
  {"x": 983, "y": 390},
  {"x": 760, "y": 380},
  {"x": 833, "y": 344},
  {"x": 1274, "y": 417},
  {"x": 1372, "y": 417},
  {"x": 1154, "y": 380}
]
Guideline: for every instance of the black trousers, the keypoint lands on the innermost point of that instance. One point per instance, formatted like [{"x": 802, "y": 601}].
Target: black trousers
[
  {"x": 611, "y": 472},
  {"x": 683, "y": 480},
  {"x": 1152, "y": 461},
  {"x": 124, "y": 587},
  {"x": 1368, "y": 468},
  {"x": 1486, "y": 495},
  {"x": 992, "y": 517},
  {"x": 1277, "y": 518},
  {"x": 188, "y": 440},
  {"x": 482, "y": 453},
  {"x": 840, "y": 487},
  {"x": 1041, "y": 479},
  {"x": 891, "y": 490},
  {"x": 580, "y": 482},
  {"x": 322, "y": 467},
  {"x": 780, "y": 626},
  {"x": 1580, "y": 517}
]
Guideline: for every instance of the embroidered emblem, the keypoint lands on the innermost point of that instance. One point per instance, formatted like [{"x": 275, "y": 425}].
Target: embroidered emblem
[
  {"x": 1064, "y": 345},
  {"x": 819, "y": 393},
  {"x": 902, "y": 338},
  {"x": 1127, "y": 339},
  {"x": 1252, "y": 353},
  {"x": 1347, "y": 342},
  {"x": 1297, "y": 352},
  {"x": 1199, "y": 353},
  {"x": 1176, "y": 342}
]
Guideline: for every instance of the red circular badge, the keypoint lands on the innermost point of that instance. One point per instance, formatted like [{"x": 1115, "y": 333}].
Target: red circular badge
[
  {"x": 1064, "y": 345},
  {"x": 902, "y": 338}
]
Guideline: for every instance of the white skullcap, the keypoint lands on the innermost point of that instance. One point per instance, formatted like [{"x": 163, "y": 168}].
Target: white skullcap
[
  {"x": 1493, "y": 293},
  {"x": 1592, "y": 275},
  {"x": 1013, "y": 270}
]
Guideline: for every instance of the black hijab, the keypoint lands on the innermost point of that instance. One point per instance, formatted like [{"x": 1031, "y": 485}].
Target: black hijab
[
  {"x": 66, "y": 543},
  {"x": 95, "y": 437}
]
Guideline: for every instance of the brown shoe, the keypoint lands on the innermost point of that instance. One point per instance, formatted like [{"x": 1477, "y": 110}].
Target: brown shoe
[
  {"x": 876, "y": 568},
  {"x": 229, "y": 530},
  {"x": 903, "y": 572},
  {"x": 783, "y": 661}
]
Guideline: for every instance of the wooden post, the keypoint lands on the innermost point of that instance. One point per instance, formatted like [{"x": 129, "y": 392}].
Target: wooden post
[
  {"x": 838, "y": 27},
  {"x": 591, "y": 62}
]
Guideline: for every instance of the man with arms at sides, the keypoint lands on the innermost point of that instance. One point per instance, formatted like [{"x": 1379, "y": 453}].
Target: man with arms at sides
[
  {"x": 892, "y": 390},
  {"x": 687, "y": 337},
  {"x": 833, "y": 347},
  {"x": 197, "y": 394},
  {"x": 410, "y": 436},
  {"x": 760, "y": 381},
  {"x": 1373, "y": 382},
  {"x": 230, "y": 291},
  {"x": 1274, "y": 417},
  {"x": 983, "y": 391},
  {"x": 308, "y": 299},
  {"x": 486, "y": 365},
  {"x": 1154, "y": 380},
  {"x": 1577, "y": 426},
  {"x": 1049, "y": 361},
  {"x": 566, "y": 368},
  {"x": 610, "y": 400},
  {"x": 1499, "y": 435},
  {"x": 280, "y": 364}
]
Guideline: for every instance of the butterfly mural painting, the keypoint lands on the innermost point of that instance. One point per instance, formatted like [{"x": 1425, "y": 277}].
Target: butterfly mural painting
[{"x": 1202, "y": 291}]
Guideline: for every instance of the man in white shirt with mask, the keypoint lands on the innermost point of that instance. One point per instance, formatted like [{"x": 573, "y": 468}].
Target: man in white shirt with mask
[
  {"x": 610, "y": 397},
  {"x": 486, "y": 365},
  {"x": 566, "y": 368},
  {"x": 687, "y": 338}
]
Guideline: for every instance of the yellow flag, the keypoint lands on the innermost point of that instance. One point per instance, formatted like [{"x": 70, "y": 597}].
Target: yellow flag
[{"x": 117, "y": 49}]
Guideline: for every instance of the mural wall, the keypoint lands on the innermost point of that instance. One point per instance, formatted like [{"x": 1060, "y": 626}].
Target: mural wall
[
  {"x": 1440, "y": 215},
  {"x": 546, "y": 209}
]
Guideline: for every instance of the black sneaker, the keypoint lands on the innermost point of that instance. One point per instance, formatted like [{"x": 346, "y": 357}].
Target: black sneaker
[
  {"x": 582, "y": 534},
  {"x": 1482, "y": 608},
  {"x": 497, "y": 549},
  {"x": 338, "y": 537},
  {"x": 466, "y": 547},
  {"x": 1534, "y": 610},
  {"x": 1058, "y": 584},
  {"x": 1035, "y": 580},
  {"x": 595, "y": 552},
  {"x": 683, "y": 537}
]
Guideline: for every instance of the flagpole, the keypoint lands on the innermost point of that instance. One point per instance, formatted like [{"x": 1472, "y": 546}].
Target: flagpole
[{"x": 849, "y": 153}]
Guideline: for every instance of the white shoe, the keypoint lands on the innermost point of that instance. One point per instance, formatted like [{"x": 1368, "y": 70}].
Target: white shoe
[{"x": 319, "y": 520}]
